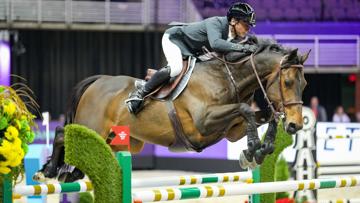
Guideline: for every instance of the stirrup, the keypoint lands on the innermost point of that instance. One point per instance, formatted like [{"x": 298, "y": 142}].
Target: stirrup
[
  {"x": 129, "y": 100},
  {"x": 134, "y": 103}
]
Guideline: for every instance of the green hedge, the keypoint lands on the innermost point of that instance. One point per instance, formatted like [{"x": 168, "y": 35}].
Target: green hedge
[
  {"x": 267, "y": 168},
  {"x": 86, "y": 150}
]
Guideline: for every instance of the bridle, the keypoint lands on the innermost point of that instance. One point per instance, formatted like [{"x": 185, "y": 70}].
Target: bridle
[
  {"x": 279, "y": 112},
  {"x": 283, "y": 103}
]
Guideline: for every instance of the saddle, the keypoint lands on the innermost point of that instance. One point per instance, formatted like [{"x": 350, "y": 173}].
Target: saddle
[{"x": 176, "y": 85}]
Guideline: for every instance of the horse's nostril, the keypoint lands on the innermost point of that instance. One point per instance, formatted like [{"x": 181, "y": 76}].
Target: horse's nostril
[
  {"x": 291, "y": 128},
  {"x": 292, "y": 125}
]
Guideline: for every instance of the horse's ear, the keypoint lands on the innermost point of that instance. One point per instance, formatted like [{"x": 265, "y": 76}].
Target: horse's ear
[
  {"x": 289, "y": 57},
  {"x": 293, "y": 54},
  {"x": 304, "y": 57}
]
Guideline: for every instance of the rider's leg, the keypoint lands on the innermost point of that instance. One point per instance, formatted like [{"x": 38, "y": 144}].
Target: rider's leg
[
  {"x": 136, "y": 98},
  {"x": 174, "y": 57}
]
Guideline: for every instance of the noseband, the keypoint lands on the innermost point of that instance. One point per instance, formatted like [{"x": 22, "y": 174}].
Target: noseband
[{"x": 279, "y": 112}]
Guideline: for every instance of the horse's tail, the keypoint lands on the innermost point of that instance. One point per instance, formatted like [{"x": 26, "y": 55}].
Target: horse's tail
[{"x": 76, "y": 94}]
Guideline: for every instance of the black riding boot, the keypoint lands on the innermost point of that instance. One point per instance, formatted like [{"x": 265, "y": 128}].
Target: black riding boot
[{"x": 136, "y": 98}]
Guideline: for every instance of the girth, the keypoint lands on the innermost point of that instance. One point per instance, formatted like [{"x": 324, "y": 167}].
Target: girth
[{"x": 181, "y": 142}]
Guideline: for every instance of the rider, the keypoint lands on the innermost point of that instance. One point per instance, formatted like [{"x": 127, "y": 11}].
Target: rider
[{"x": 178, "y": 42}]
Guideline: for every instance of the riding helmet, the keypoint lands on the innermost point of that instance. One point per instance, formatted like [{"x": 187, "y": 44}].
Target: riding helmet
[{"x": 242, "y": 11}]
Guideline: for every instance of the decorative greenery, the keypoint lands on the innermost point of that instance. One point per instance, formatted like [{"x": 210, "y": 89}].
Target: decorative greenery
[
  {"x": 86, "y": 150},
  {"x": 282, "y": 174},
  {"x": 16, "y": 133},
  {"x": 85, "y": 197},
  {"x": 267, "y": 168}
]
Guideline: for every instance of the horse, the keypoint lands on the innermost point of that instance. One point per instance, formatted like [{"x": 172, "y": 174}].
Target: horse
[{"x": 213, "y": 106}]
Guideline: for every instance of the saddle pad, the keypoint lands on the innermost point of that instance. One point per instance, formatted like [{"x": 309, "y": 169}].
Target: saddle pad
[{"x": 173, "y": 89}]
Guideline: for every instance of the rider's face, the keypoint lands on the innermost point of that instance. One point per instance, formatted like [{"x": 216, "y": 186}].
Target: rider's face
[{"x": 241, "y": 28}]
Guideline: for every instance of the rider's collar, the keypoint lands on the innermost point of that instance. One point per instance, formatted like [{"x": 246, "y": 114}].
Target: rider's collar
[{"x": 231, "y": 34}]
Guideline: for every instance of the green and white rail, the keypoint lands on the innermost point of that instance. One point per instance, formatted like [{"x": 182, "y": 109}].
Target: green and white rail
[{"x": 208, "y": 191}]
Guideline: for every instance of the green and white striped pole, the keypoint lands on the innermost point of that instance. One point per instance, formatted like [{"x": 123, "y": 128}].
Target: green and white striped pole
[
  {"x": 124, "y": 159},
  {"x": 193, "y": 179},
  {"x": 56, "y": 188},
  {"x": 207, "y": 191}
]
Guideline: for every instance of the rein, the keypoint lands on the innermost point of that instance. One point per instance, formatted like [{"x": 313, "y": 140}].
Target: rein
[
  {"x": 276, "y": 113},
  {"x": 283, "y": 103}
]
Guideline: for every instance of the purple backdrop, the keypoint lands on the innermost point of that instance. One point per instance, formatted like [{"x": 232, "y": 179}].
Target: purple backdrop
[
  {"x": 5, "y": 63},
  {"x": 217, "y": 151}
]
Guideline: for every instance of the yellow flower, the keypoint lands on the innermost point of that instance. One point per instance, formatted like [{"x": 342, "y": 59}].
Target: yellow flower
[
  {"x": 16, "y": 157},
  {"x": 18, "y": 124},
  {"x": 10, "y": 108},
  {"x": 17, "y": 143},
  {"x": 16, "y": 161},
  {"x": 6, "y": 147},
  {"x": 11, "y": 133},
  {"x": 12, "y": 152},
  {"x": 4, "y": 170}
]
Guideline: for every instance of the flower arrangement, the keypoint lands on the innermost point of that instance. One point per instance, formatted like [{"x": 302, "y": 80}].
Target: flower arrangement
[{"x": 16, "y": 133}]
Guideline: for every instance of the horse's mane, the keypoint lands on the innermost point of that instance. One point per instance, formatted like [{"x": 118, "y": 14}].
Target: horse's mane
[{"x": 262, "y": 43}]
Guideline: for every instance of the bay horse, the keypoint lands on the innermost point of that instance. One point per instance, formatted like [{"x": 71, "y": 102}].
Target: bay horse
[{"x": 214, "y": 105}]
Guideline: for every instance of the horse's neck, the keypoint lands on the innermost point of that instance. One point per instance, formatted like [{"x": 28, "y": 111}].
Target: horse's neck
[{"x": 246, "y": 80}]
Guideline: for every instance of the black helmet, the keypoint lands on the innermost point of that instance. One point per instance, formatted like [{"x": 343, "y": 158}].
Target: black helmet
[{"x": 242, "y": 11}]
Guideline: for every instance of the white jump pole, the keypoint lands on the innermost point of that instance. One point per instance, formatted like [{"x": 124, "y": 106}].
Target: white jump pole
[{"x": 207, "y": 191}]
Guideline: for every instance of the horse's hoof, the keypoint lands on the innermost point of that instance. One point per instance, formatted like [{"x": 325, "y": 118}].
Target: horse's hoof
[
  {"x": 259, "y": 157},
  {"x": 39, "y": 177},
  {"x": 243, "y": 161},
  {"x": 253, "y": 165}
]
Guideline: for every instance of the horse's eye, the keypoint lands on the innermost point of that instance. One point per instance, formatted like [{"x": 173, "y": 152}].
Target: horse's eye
[
  {"x": 289, "y": 83},
  {"x": 275, "y": 49}
]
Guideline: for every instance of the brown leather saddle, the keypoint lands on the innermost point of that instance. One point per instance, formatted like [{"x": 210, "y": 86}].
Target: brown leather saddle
[{"x": 164, "y": 91}]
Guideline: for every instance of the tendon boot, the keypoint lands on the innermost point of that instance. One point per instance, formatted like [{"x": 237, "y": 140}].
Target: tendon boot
[{"x": 135, "y": 101}]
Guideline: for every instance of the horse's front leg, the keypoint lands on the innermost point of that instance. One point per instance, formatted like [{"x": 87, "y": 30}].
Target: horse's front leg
[
  {"x": 253, "y": 141},
  {"x": 268, "y": 145}
]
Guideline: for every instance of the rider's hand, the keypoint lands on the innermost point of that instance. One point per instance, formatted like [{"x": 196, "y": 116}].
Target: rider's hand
[{"x": 250, "y": 48}]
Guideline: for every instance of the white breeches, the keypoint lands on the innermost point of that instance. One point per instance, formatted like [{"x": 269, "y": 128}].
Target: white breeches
[{"x": 173, "y": 55}]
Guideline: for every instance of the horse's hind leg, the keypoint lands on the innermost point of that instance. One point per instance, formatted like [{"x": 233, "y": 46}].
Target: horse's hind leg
[{"x": 50, "y": 169}]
